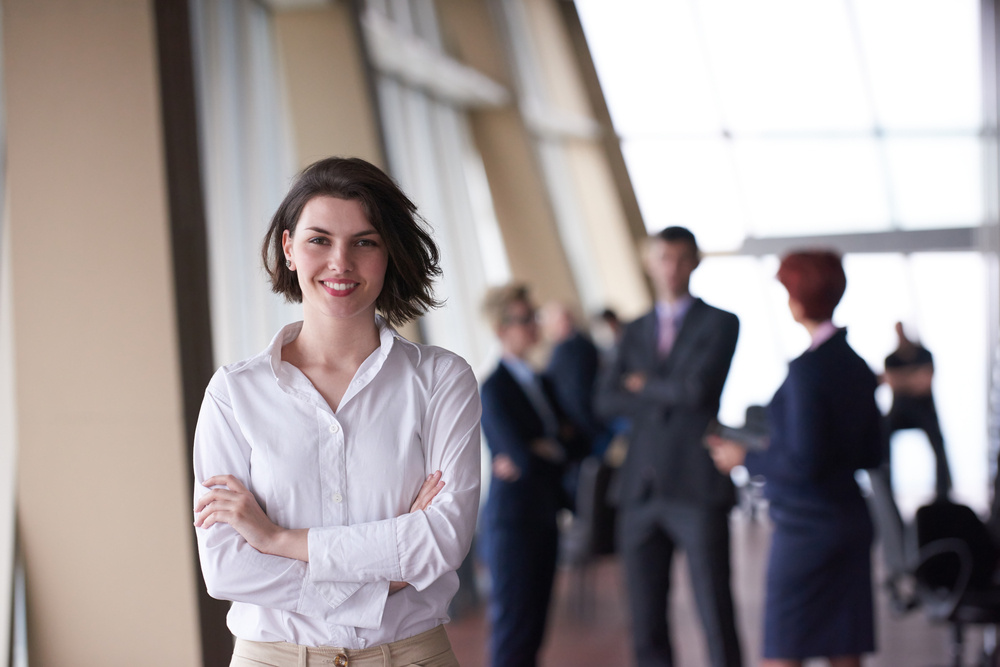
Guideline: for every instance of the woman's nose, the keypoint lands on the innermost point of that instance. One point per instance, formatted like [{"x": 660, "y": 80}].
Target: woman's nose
[{"x": 339, "y": 258}]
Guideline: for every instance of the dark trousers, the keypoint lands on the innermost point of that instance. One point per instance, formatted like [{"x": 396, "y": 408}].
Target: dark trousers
[
  {"x": 919, "y": 413},
  {"x": 648, "y": 534},
  {"x": 522, "y": 564}
]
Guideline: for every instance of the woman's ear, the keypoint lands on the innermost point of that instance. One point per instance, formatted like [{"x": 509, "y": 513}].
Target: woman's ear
[{"x": 286, "y": 247}]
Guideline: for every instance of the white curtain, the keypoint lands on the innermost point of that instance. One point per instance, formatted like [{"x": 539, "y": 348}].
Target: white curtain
[{"x": 247, "y": 167}]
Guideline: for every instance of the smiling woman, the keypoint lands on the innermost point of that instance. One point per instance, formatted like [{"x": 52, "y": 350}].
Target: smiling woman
[
  {"x": 412, "y": 254},
  {"x": 328, "y": 524}
]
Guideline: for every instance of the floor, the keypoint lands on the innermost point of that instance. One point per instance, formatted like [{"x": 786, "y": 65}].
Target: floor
[{"x": 589, "y": 625}]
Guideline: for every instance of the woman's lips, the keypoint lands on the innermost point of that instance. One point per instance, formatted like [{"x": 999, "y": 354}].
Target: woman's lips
[{"x": 339, "y": 287}]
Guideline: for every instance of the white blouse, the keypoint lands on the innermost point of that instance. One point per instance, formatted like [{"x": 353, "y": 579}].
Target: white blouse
[{"x": 350, "y": 478}]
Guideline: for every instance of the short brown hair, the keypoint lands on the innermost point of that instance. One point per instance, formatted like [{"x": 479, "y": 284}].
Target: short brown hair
[
  {"x": 816, "y": 279},
  {"x": 413, "y": 256},
  {"x": 498, "y": 299}
]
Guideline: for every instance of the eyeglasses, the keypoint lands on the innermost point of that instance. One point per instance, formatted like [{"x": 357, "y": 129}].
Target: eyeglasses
[{"x": 523, "y": 320}]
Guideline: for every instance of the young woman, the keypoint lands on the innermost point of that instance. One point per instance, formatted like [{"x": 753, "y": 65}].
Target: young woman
[
  {"x": 340, "y": 466},
  {"x": 824, "y": 425}
]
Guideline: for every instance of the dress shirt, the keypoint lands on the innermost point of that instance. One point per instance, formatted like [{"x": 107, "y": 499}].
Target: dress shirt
[
  {"x": 350, "y": 478},
  {"x": 823, "y": 333},
  {"x": 670, "y": 317},
  {"x": 529, "y": 381}
]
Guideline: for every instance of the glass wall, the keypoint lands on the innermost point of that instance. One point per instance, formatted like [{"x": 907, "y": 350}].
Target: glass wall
[{"x": 776, "y": 121}]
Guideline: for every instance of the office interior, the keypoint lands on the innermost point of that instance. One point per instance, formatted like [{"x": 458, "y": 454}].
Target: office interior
[{"x": 147, "y": 142}]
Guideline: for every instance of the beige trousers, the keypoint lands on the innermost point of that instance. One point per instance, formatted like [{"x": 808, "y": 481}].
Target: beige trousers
[{"x": 428, "y": 649}]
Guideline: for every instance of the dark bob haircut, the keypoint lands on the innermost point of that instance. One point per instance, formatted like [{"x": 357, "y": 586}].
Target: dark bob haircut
[
  {"x": 814, "y": 278},
  {"x": 413, "y": 255}
]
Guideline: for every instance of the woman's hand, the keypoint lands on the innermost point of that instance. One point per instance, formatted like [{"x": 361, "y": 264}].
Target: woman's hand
[
  {"x": 726, "y": 454},
  {"x": 505, "y": 469},
  {"x": 634, "y": 382},
  {"x": 232, "y": 503},
  {"x": 428, "y": 490}
]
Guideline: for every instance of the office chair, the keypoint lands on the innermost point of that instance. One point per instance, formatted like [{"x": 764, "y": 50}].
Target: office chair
[{"x": 956, "y": 574}]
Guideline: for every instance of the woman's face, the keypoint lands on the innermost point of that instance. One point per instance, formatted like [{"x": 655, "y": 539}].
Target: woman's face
[
  {"x": 798, "y": 310},
  {"x": 339, "y": 258}
]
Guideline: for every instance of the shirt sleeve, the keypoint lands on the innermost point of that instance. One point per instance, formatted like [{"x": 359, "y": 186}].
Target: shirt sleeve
[
  {"x": 418, "y": 547},
  {"x": 234, "y": 570}
]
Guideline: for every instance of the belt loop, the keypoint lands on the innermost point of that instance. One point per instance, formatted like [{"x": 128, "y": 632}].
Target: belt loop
[
  {"x": 303, "y": 656},
  {"x": 386, "y": 655}
]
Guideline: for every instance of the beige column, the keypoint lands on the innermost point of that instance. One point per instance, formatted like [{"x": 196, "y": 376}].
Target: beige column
[
  {"x": 103, "y": 476},
  {"x": 523, "y": 209},
  {"x": 329, "y": 103},
  {"x": 508, "y": 147}
]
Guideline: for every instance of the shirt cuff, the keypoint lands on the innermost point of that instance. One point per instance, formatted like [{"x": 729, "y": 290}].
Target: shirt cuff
[
  {"x": 361, "y": 554},
  {"x": 364, "y": 608}
]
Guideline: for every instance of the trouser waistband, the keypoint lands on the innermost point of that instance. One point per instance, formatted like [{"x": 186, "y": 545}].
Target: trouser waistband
[{"x": 412, "y": 649}]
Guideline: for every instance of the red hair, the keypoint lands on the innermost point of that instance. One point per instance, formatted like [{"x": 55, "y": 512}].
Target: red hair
[{"x": 814, "y": 278}]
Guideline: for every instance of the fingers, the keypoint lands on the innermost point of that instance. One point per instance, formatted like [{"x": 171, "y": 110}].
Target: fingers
[
  {"x": 221, "y": 502},
  {"x": 428, "y": 490},
  {"x": 229, "y": 481}
]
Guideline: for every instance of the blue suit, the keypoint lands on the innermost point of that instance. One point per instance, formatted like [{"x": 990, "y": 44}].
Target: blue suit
[
  {"x": 519, "y": 520},
  {"x": 824, "y": 425}
]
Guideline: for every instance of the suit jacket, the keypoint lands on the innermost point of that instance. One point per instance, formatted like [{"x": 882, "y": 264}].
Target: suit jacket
[
  {"x": 666, "y": 456},
  {"x": 510, "y": 423},
  {"x": 824, "y": 425},
  {"x": 572, "y": 371}
]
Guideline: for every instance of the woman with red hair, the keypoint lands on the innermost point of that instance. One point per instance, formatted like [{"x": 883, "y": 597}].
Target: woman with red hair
[{"x": 824, "y": 425}]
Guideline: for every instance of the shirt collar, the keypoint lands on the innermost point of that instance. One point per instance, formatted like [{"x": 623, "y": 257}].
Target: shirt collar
[
  {"x": 289, "y": 332},
  {"x": 676, "y": 310},
  {"x": 519, "y": 368},
  {"x": 823, "y": 333}
]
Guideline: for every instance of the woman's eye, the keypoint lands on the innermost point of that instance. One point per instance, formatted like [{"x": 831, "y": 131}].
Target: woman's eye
[
  {"x": 318, "y": 240},
  {"x": 367, "y": 243}
]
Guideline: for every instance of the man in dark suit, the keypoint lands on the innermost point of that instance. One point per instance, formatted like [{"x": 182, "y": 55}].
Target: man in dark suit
[
  {"x": 530, "y": 441},
  {"x": 667, "y": 378}
]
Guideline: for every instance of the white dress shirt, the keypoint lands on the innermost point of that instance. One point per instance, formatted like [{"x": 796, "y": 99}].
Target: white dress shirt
[{"x": 350, "y": 478}]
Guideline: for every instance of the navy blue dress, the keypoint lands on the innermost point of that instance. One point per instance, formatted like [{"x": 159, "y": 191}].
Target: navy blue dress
[{"x": 824, "y": 426}]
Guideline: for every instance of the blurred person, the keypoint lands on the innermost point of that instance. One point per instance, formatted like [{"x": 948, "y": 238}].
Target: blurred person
[
  {"x": 530, "y": 442},
  {"x": 823, "y": 425},
  {"x": 572, "y": 371},
  {"x": 667, "y": 379},
  {"x": 338, "y": 470},
  {"x": 606, "y": 329},
  {"x": 909, "y": 372}
]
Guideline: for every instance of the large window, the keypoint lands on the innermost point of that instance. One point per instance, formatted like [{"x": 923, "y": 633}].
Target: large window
[{"x": 760, "y": 125}]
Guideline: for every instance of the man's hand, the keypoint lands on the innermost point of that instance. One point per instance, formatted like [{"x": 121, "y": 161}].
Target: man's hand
[
  {"x": 634, "y": 382},
  {"x": 726, "y": 454}
]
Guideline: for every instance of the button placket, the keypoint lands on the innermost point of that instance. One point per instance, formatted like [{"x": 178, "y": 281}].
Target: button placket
[{"x": 333, "y": 453}]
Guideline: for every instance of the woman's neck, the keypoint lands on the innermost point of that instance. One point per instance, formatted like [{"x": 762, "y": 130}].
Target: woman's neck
[
  {"x": 811, "y": 326},
  {"x": 330, "y": 342}
]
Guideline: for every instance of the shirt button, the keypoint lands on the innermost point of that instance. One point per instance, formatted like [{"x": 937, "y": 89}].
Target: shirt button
[
  {"x": 334, "y": 427},
  {"x": 337, "y": 498}
]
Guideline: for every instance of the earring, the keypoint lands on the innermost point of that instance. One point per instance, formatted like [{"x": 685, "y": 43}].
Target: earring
[{"x": 288, "y": 263}]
